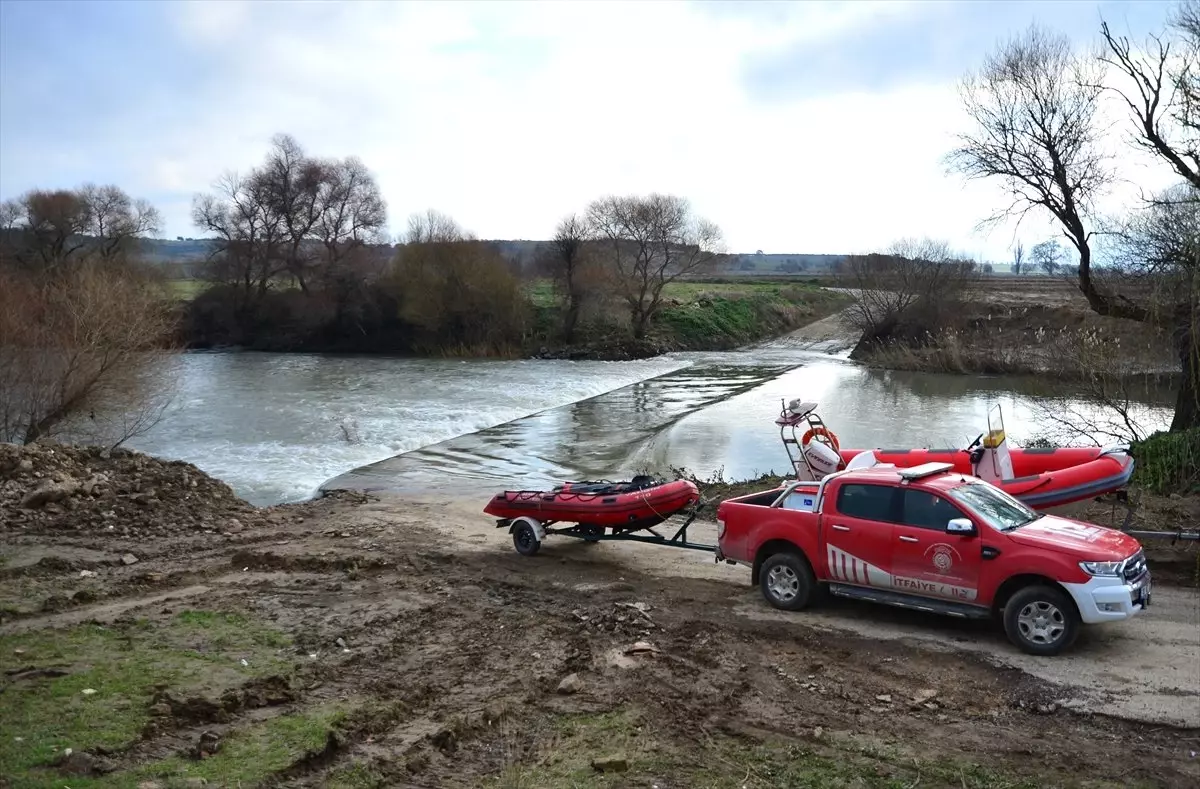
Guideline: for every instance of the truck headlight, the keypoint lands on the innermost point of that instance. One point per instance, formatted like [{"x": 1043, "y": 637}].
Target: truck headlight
[{"x": 1106, "y": 569}]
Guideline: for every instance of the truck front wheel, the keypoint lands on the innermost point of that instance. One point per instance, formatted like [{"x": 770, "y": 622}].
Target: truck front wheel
[
  {"x": 787, "y": 581},
  {"x": 1041, "y": 620}
]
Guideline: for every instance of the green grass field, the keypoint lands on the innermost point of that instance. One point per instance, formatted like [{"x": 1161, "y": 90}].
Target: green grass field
[
  {"x": 185, "y": 289},
  {"x": 541, "y": 291}
]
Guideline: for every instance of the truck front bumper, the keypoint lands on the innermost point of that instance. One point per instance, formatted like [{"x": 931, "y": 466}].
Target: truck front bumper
[{"x": 1107, "y": 599}]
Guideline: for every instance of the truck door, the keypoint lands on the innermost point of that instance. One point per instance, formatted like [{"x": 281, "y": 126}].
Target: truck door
[
  {"x": 858, "y": 534},
  {"x": 928, "y": 561}
]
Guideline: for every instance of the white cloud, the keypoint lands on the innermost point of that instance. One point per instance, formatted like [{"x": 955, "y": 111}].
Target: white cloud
[{"x": 509, "y": 115}]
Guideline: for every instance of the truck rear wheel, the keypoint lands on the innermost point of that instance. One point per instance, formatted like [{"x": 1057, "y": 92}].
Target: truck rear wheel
[
  {"x": 1041, "y": 620},
  {"x": 787, "y": 581}
]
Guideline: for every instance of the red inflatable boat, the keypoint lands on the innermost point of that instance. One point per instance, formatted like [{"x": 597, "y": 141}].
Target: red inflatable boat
[
  {"x": 1042, "y": 477},
  {"x": 1039, "y": 477},
  {"x": 637, "y": 504}
]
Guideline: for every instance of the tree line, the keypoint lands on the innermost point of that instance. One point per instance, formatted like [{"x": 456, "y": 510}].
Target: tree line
[{"x": 301, "y": 260}]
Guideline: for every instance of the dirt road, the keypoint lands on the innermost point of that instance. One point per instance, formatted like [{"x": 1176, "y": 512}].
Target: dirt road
[
  {"x": 402, "y": 642},
  {"x": 1147, "y": 669}
]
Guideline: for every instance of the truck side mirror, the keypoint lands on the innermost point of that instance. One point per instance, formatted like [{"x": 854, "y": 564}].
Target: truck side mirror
[{"x": 961, "y": 526}]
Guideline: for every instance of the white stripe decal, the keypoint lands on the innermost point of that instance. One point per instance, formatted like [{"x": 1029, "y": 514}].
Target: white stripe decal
[{"x": 844, "y": 566}]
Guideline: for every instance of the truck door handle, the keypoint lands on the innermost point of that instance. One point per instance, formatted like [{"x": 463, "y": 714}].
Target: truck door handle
[
  {"x": 906, "y": 538},
  {"x": 840, "y": 527}
]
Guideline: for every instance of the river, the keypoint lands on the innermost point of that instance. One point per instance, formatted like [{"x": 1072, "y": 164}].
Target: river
[{"x": 276, "y": 427}]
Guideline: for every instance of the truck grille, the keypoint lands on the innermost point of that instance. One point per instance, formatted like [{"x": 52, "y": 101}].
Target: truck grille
[{"x": 1134, "y": 566}]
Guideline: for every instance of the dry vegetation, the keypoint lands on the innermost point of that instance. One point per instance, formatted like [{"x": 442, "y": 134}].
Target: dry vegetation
[
  {"x": 85, "y": 332},
  {"x": 907, "y": 293},
  {"x": 457, "y": 293}
]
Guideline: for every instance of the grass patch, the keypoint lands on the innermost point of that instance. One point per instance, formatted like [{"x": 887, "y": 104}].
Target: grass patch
[
  {"x": 193, "y": 653},
  {"x": 693, "y": 315},
  {"x": 356, "y": 775},
  {"x": 186, "y": 289},
  {"x": 699, "y": 322},
  {"x": 724, "y": 316},
  {"x": 541, "y": 290},
  {"x": 565, "y": 753},
  {"x": 564, "y": 757},
  {"x": 250, "y": 756},
  {"x": 1168, "y": 462}
]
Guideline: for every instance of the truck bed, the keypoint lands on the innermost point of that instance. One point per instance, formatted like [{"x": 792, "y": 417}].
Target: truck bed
[{"x": 767, "y": 497}]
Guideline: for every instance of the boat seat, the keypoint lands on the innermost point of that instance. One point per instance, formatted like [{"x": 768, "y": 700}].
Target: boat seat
[{"x": 864, "y": 459}]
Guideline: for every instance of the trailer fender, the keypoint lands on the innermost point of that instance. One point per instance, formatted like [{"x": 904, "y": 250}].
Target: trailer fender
[{"x": 539, "y": 531}]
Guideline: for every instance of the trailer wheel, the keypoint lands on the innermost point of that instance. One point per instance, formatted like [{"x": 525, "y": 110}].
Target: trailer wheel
[
  {"x": 787, "y": 582},
  {"x": 525, "y": 539}
]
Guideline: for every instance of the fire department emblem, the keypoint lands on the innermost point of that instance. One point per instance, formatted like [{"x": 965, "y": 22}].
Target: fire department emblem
[{"x": 942, "y": 557}]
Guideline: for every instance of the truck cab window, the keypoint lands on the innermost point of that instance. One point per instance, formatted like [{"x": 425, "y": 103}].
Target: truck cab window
[
  {"x": 925, "y": 510},
  {"x": 870, "y": 502}
]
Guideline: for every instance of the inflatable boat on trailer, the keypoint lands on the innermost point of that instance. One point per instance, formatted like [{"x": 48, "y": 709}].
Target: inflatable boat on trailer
[
  {"x": 596, "y": 511},
  {"x": 1041, "y": 478}
]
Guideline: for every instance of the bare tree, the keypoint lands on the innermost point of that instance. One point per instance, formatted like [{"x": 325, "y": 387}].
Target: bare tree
[
  {"x": 295, "y": 217},
  {"x": 650, "y": 242},
  {"x": 250, "y": 239},
  {"x": 350, "y": 228},
  {"x": 1102, "y": 407},
  {"x": 1034, "y": 105},
  {"x": 1155, "y": 262},
  {"x": 434, "y": 226},
  {"x": 907, "y": 293},
  {"x": 1163, "y": 89},
  {"x": 49, "y": 230},
  {"x": 1018, "y": 258},
  {"x": 84, "y": 346},
  {"x": 353, "y": 212},
  {"x": 1047, "y": 256},
  {"x": 291, "y": 182},
  {"x": 1162, "y": 92},
  {"x": 116, "y": 221},
  {"x": 569, "y": 259}
]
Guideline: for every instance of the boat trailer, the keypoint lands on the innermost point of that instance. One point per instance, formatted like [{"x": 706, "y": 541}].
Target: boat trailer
[
  {"x": 528, "y": 533},
  {"x": 1121, "y": 498}
]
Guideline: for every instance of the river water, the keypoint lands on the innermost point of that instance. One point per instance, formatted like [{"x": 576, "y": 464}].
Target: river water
[{"x": 276, "y": 427}]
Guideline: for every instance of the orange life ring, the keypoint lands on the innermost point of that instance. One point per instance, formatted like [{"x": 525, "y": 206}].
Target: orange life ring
[{"x": 821, "y": 431}]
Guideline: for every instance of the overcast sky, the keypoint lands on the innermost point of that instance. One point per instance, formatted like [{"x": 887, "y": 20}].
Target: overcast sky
[{"x": 796, "y": 127}]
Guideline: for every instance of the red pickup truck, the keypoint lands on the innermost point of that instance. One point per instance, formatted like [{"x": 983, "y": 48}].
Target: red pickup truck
[{"x": 931, "y": 539}]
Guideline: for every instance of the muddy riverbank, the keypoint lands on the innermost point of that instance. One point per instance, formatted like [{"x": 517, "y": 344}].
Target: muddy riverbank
[{"x": 400, "y": 641}]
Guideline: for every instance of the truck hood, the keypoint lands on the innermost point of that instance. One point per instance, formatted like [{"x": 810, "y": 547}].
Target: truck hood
[{"x": 1086, "y": 540}]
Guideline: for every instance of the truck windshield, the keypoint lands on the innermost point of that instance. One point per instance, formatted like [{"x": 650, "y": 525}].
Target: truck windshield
[{"x": 1000, "y": 510}]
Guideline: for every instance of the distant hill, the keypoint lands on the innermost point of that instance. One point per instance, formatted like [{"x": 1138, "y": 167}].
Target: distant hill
[
  {"x": 762, "y": 263},
  {"x": 184, "y": 255}
]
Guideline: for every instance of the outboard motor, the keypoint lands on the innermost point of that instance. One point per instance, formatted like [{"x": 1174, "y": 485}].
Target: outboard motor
[{"x": 821, "y": 457}]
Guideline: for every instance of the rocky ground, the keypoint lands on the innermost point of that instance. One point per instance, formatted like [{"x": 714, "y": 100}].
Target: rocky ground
[{"x": 188, "y": 639}]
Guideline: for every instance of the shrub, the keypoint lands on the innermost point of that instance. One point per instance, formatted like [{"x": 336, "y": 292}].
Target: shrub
[
  {"x": 461, "y": 296},
  {"x": 907, "y": 295},
  {"x": 1169, "y": 462}
]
